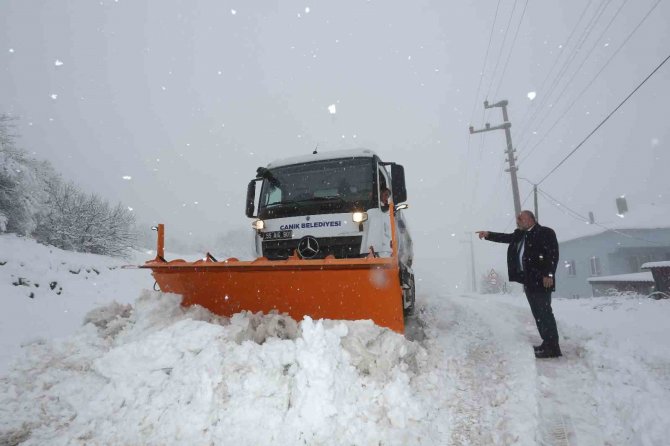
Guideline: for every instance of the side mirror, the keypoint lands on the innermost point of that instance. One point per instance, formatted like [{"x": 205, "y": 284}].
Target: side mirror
[
  {"x": 398, "y": 183},
  {"x": 251, "y": 199}
]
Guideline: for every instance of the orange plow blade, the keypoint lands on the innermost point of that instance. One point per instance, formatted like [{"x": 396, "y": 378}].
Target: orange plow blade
[{"x": 366, "y": 288}]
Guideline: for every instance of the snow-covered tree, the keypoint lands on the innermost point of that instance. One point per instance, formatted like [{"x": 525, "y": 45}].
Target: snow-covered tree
[
  {"x": 34, "y": 200},
  {"x": 18, "y": 202},
  {"x": 82, "y": 222}
]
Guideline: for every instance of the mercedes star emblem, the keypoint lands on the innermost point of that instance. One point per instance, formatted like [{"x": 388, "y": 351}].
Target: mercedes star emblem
[{"x": 308, "y": 247}]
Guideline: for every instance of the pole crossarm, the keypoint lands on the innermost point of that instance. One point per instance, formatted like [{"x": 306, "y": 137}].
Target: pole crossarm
[
  {"x": 511, "y": 159},
  {"x": 488, "y": 128}
]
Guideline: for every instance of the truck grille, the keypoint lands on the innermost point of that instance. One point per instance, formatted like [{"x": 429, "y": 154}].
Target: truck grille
[{"x": 340, "y": 247}]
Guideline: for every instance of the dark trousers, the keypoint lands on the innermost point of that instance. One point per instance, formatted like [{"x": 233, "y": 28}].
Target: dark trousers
[{"x": 540, "y": 306}]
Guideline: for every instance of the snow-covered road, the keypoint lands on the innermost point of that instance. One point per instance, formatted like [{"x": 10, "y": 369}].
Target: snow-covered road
[{"x": 150, "y": 372}]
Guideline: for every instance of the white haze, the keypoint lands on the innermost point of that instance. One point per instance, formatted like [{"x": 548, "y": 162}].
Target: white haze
[{"x": 169, "y": 107}]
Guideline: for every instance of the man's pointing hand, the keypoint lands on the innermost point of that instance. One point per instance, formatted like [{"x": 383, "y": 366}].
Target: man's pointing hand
[{"x": 482, "y": 234}]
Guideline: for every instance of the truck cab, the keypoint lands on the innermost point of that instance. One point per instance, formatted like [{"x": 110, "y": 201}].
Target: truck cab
[{"x": 331, "y": 204}]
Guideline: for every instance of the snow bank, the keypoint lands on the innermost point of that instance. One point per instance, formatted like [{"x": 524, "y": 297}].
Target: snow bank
[
  {"x": 623, "y": 343},
  {"x": 45, "y": 291},
  {"x": 156, "y": 373}
]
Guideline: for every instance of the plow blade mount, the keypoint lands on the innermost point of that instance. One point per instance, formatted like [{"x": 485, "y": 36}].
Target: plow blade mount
[{"x": 352, "y": 289}]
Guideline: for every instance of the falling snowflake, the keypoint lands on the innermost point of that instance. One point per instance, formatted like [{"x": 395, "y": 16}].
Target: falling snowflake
[
  {"x": 127, "y": 177},
  {"x": 54, "y": 96},
  {"x": 58, "y": 63},
  {"x": 233, "y": 11},
  {"x": 531, "y": 95},
  {"x": 163, "y": 88},
  {"x": 130, "y": 209},
  {"x": 332, "y": 109},
  {"x": 307, "y": 10},
  {"x": 655, "y": 142},
  {"x": 11, "y": 50}
]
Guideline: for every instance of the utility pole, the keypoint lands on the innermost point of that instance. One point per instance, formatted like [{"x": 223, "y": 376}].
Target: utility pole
[
  {"x": 472, "y": 261},
  {"x": 510, "y": 150},
  {"x": 537, "y": 212}
]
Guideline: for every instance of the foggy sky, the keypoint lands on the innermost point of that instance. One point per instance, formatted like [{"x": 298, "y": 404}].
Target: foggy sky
[{"x": 188, "y": 98}]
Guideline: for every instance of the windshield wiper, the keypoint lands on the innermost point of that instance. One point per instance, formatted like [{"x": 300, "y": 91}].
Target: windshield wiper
[
  {"x": 308, "y": 200},
  {"x": 326, "y": 198}
]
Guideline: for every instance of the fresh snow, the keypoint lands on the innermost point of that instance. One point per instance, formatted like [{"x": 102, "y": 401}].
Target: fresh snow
[
  {"x": 109, "y": 361},
  {"x": 661, "y": 264},
  {"x": 644, "y": 276}
]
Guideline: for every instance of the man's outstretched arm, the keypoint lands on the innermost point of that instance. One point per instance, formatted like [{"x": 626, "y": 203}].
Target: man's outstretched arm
[{"x": 498, "y": 237}]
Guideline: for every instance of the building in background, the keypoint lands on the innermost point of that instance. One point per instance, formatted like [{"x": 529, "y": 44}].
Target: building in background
[
  {"x": 616, "y": 247},
  {"x": 636, "y": 283}
]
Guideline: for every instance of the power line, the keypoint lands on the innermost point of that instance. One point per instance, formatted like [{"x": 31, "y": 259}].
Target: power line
[
  {"x": 502, "y": 47},
  {"x": 581, "y": 93},
  {"x": 605, "y": 120},
  {"x": 547, "y": 99},
  {"x": 509, "y": 55},
  {"x": 577, "y": 216},
  {"x": 567, "y": 43},
  {"x": 564, "y": 68},
  {"x": 578, "y": 69},
  {"x": 474, "y": 106},
  {"x": 486, "y": 56}
]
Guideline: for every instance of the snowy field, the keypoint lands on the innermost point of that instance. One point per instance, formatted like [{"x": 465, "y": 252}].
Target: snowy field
[{"x": 99, "y": 358}]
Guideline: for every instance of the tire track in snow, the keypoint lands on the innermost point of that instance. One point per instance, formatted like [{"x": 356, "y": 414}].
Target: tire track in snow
[
  {"x": 479, "y": 366},
  {"x": 567, "y": 409}
]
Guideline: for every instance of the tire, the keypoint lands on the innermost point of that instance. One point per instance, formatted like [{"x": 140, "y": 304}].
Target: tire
[{"x": 409, "y": 311}]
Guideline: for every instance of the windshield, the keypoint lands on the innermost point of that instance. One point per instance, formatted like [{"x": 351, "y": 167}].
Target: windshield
[{"x": 323, "y": 186}]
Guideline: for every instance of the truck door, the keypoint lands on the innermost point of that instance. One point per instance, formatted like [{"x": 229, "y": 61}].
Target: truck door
[{"x": 383, "y": 194}]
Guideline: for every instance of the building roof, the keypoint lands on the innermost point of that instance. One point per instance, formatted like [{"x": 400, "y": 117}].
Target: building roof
[
  {"x": 663, "y": 264},
  {"x": 333, "y": 154},
  {"x": 644, "y": 276},
  {"x": 641, "y": 216}
]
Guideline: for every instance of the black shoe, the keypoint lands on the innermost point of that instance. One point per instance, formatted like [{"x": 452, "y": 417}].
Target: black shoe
[
  {"x": 537, "y": 348},
  {"x": 549, "y": 352}
]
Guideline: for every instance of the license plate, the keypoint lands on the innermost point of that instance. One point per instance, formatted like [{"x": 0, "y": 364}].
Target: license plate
[{"x": 277, "y": 235}]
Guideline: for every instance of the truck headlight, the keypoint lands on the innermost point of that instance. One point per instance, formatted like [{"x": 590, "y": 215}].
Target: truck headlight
[
  {"x": 258, "y": 225},
  {"x": 359, "y": 217}
]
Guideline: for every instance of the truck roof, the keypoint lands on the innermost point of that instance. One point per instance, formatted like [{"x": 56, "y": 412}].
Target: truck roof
[{"x": 335, "y": 154}]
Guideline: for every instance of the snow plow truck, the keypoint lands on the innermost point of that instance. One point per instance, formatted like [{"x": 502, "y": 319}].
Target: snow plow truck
[{"x": 331, "y": 242}]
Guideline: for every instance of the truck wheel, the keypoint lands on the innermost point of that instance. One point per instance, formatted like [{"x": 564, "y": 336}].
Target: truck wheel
[{"x": 409, "y": 296}]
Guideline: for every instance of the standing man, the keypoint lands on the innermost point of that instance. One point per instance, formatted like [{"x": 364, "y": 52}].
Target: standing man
[{"x": 532, "y": 257}]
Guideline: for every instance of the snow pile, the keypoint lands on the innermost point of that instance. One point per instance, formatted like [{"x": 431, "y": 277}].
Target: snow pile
[
  {"x": 151, "y": 372},
  {"x": 157, "y": 373},
  {"x": 622, "y": 342}
]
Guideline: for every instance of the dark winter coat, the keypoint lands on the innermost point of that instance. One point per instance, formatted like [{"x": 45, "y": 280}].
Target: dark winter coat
[{"x": 540, "y": 256}]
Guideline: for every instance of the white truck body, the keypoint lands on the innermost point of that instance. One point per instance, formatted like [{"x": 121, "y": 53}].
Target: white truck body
[{"x": 330, "y": 204}]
